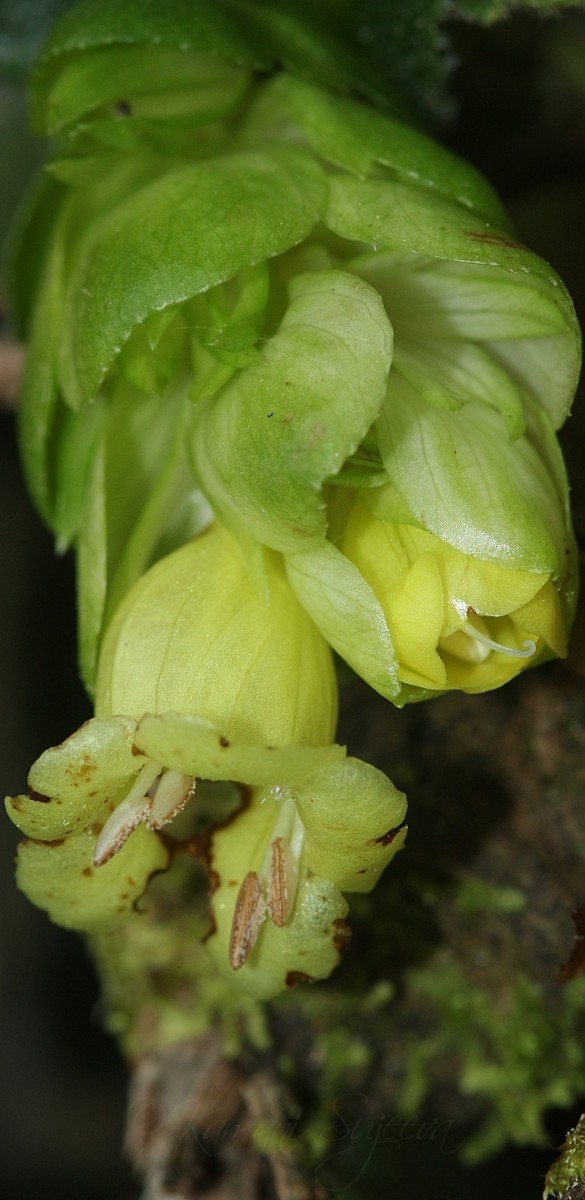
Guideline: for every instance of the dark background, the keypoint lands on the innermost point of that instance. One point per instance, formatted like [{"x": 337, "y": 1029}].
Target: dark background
[{"x": 519, "y": 114}]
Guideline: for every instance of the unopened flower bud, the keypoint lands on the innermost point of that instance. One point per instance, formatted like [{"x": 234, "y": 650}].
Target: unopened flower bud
[{"x": 456, "y": 621}]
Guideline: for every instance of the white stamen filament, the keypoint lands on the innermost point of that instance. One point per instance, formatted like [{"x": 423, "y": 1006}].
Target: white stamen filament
[
  {"x": 126, "y": 816},
  {"x": 144, "y": 780},
  {"x": 485, "y": 640},
  {"x": 156, "y": 796},
  {"x": 280, "y": 866}
]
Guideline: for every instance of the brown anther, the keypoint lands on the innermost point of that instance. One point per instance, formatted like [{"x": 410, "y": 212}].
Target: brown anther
[
  {"x": 249, "y": 914},
  {"x": 278, "y": 897}
]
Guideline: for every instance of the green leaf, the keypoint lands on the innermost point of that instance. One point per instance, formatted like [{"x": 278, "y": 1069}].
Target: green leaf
[
  {"x": 39, "y": 397},
  {"x": 76, "y": 441},
  {"x": 449, "y": 373},
  {"x": 360, "y": 471},
  {"x": 258, "y": 36},
  {"x": 141, "y": 434},
  {"x": 394, "y": 216},
  {"x": 264, "y": 445},
  {"x": 228, "y": 214},
  {"x": 483, "y": 495},
  {"x": 465, "y": 330},
  {"x": 345, "y": 609},
  {"x": 357, "y": 138},
  {"x": 182, "y": 25},
  {"x": 153, "y": 81},
  {"x": 92, "y": 576},
  {"x": 172, "y": 510},
  {"x": 233, "y": 313}
]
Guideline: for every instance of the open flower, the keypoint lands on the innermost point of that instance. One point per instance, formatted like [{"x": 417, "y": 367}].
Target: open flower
[
  {"x": 202, "y": 677},
  {"x": 313, "y": 824}
]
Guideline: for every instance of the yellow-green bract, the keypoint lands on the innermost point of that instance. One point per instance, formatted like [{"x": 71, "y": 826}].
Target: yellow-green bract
[{"x": 256, "y": 294}]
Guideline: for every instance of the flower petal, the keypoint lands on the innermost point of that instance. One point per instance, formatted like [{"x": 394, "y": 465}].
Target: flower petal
[
  {"x": 74, "y": 784},
  {"x": 351, "y": 813},
  {"x": 307, "y": 947},
  {"x": 61, "y": 878},
  {"x": 196, "y": 748}
]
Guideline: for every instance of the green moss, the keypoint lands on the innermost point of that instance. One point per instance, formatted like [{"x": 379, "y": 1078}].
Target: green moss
[
  {"x": 510, "y": 1050},
  {"x": 477, "y": 895},
  {"x": 517, "y": 1049}
]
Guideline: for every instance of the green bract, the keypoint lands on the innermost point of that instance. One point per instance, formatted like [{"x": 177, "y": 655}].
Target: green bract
[{"x": 253, "y": 290}]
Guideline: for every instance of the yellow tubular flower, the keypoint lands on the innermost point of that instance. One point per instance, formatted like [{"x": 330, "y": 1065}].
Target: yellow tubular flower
[
  {"x": 195, "y": 637},
  {"x": 456, "y": 621}
]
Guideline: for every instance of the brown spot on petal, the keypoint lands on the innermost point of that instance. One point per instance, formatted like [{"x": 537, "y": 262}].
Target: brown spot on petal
[
  {"x": 223, "y": 741},
  {"x": 83, "y": 771},
  {"x": 87, "y": 871},
  {"x": 295, "y": 978},
  {"x": 385, "y": 839}
]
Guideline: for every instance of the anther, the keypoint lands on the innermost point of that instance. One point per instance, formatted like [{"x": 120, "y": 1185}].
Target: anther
[{"x": 249, "y": 913}]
